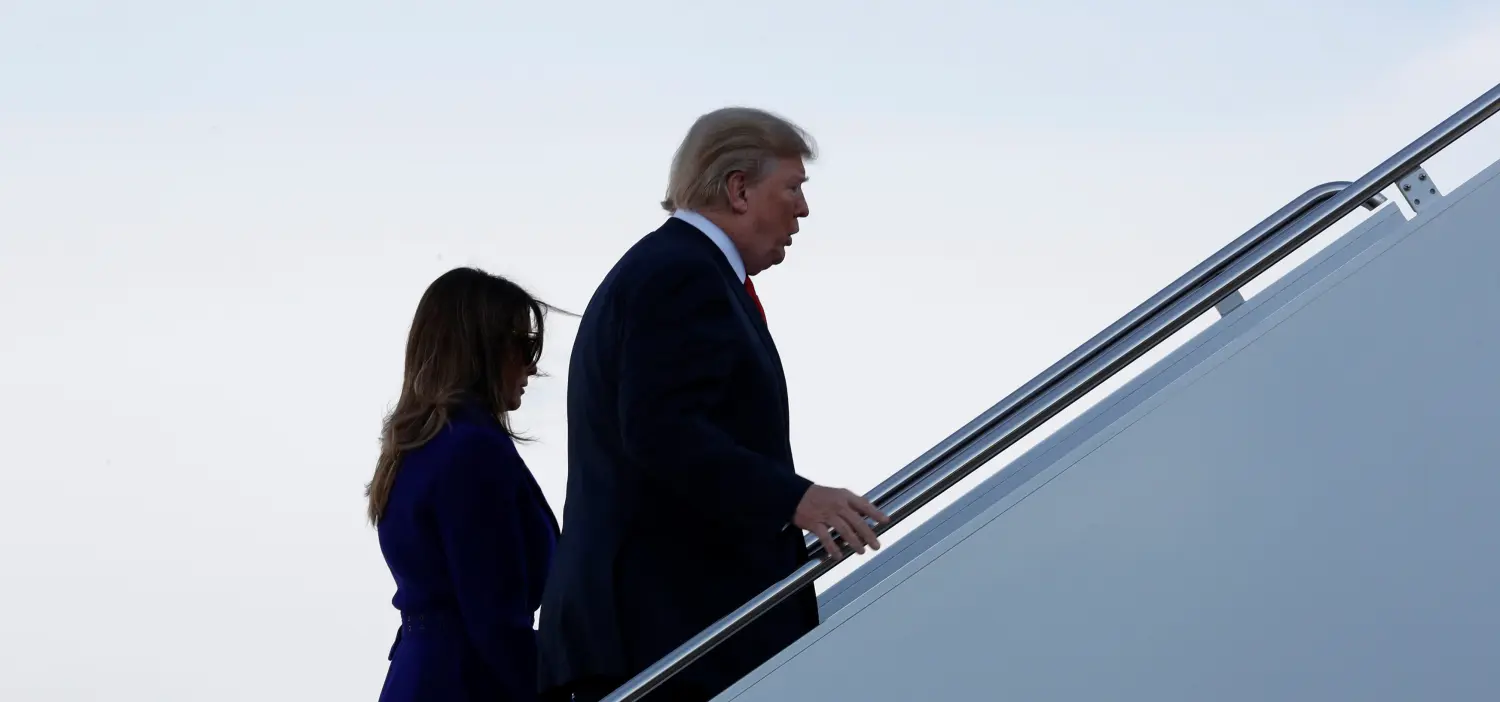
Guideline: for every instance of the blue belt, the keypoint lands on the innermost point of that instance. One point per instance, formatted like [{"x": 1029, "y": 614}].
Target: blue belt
[
  {"x": 433, "y": 619},
  {"x": 413, "y": 622}
]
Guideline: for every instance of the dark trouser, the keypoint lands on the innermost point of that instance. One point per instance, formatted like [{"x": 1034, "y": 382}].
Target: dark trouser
[{"x": 673, "y": 690}]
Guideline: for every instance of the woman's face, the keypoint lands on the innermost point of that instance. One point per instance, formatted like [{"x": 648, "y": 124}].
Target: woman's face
[
  {"x": 518, "y": 386},
  {"x": 519, "y": 375}
]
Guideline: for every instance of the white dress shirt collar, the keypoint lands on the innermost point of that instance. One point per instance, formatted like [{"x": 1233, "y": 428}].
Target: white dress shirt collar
[{"x": 716, "y": 235}]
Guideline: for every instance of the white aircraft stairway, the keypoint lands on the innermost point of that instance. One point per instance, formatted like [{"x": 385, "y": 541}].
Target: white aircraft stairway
[{"x": 1302, "y": 502}]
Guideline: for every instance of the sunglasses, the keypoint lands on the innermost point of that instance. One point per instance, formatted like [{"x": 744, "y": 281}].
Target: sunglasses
[{"x": 531, "y": 346}]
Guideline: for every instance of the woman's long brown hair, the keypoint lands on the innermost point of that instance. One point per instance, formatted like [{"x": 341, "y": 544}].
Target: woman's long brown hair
[{"x": 473, "y": 337}]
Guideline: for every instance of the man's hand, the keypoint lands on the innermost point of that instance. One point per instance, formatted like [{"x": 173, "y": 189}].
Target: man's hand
[{"x": 825, "y": 508}]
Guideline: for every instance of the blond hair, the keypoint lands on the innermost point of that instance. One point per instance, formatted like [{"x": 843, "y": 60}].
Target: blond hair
[{"x": 727, "y": 140}]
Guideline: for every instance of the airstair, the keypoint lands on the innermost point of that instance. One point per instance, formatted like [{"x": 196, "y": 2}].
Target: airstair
[{"x": 1301, "y": 502}]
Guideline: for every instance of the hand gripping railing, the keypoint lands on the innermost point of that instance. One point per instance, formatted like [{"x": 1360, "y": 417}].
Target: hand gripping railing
[{"x": 1090, "y": 365}]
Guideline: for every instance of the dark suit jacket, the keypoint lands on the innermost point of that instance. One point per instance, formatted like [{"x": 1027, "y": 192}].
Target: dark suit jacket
[
  {"x": 469, "y": 538},
  {"x": 680, "y": 475}
]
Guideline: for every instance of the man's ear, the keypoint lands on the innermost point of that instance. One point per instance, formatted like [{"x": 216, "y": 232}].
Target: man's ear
[{"x": 736, "y": 188}]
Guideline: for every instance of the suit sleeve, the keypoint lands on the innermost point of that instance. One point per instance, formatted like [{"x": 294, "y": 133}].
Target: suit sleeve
[
  {"x": 678, "y": 348},
  {"x": 479, "y": 520}
]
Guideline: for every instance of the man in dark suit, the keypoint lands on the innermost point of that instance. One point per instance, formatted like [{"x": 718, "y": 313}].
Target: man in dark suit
[{"x": 683, "y": 502}]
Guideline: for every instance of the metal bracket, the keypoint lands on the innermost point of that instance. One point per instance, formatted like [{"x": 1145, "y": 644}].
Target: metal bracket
[
  {"x": 1418, "y": 189},
  {"x": 1235, "y": 299},
  {"x": 1230, "y": 301}
]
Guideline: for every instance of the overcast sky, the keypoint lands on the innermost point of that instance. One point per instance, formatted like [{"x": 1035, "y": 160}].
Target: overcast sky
[{"x": 216, "y": 219}]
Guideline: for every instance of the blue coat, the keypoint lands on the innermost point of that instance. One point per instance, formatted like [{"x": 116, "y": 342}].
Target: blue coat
[
  {"x": 469, "y": 538},
  {"x": 681, "y": 485}
]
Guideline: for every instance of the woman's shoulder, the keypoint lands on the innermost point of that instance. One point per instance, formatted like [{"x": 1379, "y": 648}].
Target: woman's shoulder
[
  {"x": 465, "y": 443},
  {"x": 459, "y": 466}
]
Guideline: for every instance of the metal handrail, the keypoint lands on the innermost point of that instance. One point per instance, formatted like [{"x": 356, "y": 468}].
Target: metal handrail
[
  {"x": 923, "y": 466},
  {"x": 940, "y": 468}
]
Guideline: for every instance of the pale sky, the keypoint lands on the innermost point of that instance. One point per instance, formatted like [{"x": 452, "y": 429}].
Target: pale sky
[{"x": 216, "y": 220}]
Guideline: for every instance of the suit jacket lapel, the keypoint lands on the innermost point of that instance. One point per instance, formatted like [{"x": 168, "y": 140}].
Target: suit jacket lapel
[
  {"x": 747, "y": 305},
  {"x": 758, "y": 322}
]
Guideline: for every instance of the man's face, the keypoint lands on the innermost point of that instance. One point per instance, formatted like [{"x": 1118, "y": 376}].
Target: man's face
[{"x": 773, "y": 207}]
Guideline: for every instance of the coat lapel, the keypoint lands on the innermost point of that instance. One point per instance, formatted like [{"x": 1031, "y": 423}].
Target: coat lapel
[
  {"x": 758, "y": 322},
  {"x": 736, "y": 289},
  {"x": 768, "y": 346}
]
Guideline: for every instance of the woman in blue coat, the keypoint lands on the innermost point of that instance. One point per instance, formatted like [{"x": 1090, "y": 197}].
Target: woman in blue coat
[{"x": 462, "y": 524}]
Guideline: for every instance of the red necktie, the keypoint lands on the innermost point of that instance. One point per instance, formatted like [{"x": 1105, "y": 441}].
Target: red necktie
[{"x": 750, "y": 288}]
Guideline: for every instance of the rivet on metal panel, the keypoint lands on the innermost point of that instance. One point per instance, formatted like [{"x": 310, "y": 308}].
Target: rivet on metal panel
[{"x": 1418, "y": 189}]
